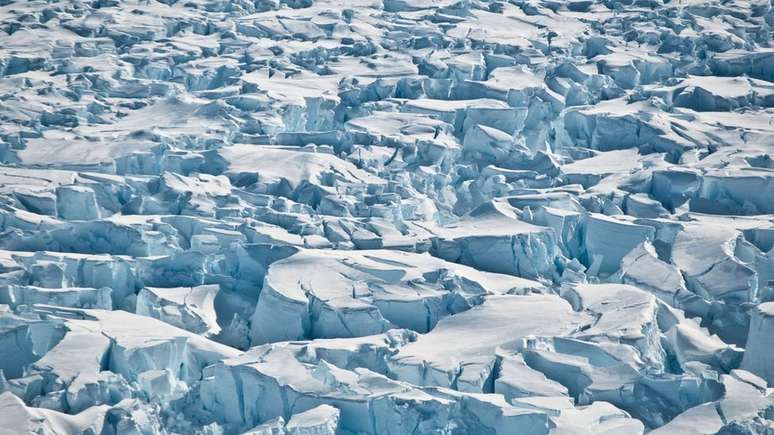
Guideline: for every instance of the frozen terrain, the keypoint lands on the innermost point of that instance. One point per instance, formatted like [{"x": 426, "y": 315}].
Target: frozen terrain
[{"x": 318, "y": 217}]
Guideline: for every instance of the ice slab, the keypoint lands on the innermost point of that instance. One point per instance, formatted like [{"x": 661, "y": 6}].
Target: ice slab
[{"x": 351, "y": 294}]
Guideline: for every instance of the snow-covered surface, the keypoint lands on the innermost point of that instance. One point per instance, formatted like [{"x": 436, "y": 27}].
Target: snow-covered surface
[{"x": 308, "y": 217}]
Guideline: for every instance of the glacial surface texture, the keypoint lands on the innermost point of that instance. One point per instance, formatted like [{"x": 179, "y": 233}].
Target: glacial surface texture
[{"x": 317, "y": 217}]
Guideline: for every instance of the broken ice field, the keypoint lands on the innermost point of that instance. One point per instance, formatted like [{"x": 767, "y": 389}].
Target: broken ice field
[{"x": 451, "y": 217}]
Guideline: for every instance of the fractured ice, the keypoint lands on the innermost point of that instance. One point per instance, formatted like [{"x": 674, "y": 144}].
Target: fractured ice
[{"x": 297, "y": 217}]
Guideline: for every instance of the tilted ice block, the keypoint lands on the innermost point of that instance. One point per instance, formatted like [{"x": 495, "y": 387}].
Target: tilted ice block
[
  {"x": 138, "y": 344},
  {"x": 596, "y": 418},
  {"x": 431, "y": 139},
  {"x": 185, "y": 268},
  {"x": 611, "y": 373},
  {"x": 207, "y": 74},
  {"x": 95, "y": 237},
  {"x": 721, "y": 94},
  {"x": 457, "y": 112},
  {"x": 629, "y": 70},
  {"x": 14, "y": 218},
  {"x": 674, "y": 187},
  {"x": 589, "y": 171},
  {"x": 577, "y": 365},
  {"x": 558, "y": 200},
  {"x": 19, "y": 418},
  {"x": 205, "y": 243},
  {"x": 322, "y": 420},
  {"x": 37, "y": 202},
  {"x": 167, "y": 158},
  {"x": 275, "y": 426},
  {"x": 76, "y": 203},
  {"x": 293, "y": 222},
  {"x": 490, "y": 412},
  {"x": 464, "y": 345},
  {"x": 491, "y": 145},
  {"x": 512, "y": 84},
  {"x": 221, "y": 233},
  {"x": 550, "y": 405},
  {"x": 72, "y": 372},
  {"x": 744, "y": 398},
  {"x": 371, "y": 352},
  {"x": 705, "y": 253},
  {"x": 515, "y": 379},
  {"x": 492, "y": 238},
  {"x": 25, "y": 340},
  {"x": 456, "y": 66},
  {"x": 344, "y": 317},
  {"x": 758, "y": 352},
  {"x": 623, "y": 314},
  {"x": 509, "y": 174},
  {"x": 413, "y": 306},
  {"x": 110, "y": 191},
  {"x": 286, "y": 171},
  {"x": 642, "y": 268},
  {"x": 125, "y": 238},
  {"x": 745, "y": 191},
  {"x": 351, "y": 294},
  {"x": 35, "y": 187},
  {"x": 261, "y": 232},
  {"x": 566, "y": 225},
  {"x": 524, "y": 88},
  {"x": 737, "y": 62},
  {"x": 685, "y": 341},
  {"x": 213, "y": 240},
  {"x": 48, "y": 274},
  {"x": 279, "y": 381},
  {"x": 338, "y": 311},
  {"x": 642, "y": 205},
  {"x": 74, "y": 297},
  {"x": 266, "y": 383},
  {"x": 189, "y": 308},
  {"x": 703, "y": 419},
  {"x": 279, "y": 315},
  {"x": 607, "y": 240},
  {"x": 133, "y": 416},
  {"x": 62, "y": 270},
  {"x": 616, "y": 124},
  {"x": 541, "y": 162},
  {"x": 198, "y": 195},
  {"x": 362, "y": 233},
  {"x": 499, "y": 116}
]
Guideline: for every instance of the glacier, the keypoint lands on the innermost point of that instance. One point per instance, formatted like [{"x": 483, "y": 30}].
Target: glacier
[{"x": 322, "y": 217}]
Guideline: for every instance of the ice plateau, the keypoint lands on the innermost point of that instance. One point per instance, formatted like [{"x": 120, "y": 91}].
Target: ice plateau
[{"x": 345, "y": 217}]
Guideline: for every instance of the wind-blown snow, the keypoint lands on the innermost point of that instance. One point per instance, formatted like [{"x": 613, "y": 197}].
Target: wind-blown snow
[{"x": 297, "y": 217}]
